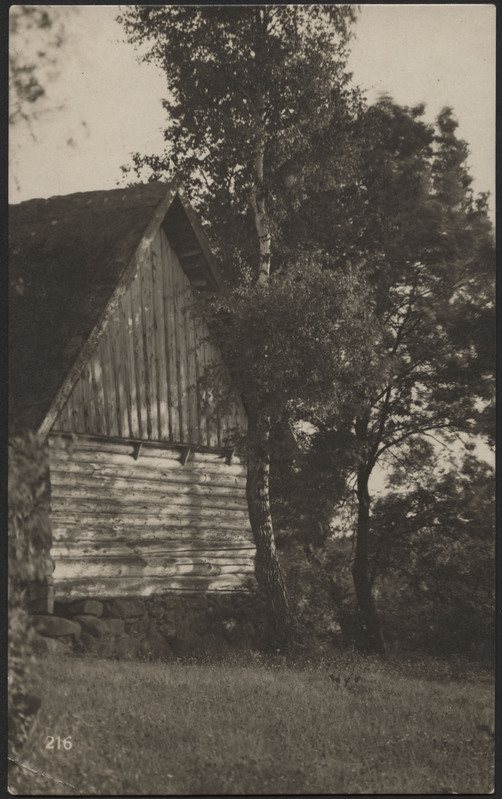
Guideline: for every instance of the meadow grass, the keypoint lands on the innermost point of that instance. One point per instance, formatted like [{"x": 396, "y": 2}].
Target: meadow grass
[{"x": 346, "y": 726}]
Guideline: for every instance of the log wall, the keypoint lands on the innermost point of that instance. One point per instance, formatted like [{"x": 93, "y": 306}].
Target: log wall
[
  {"x": 125, "y": 526},
  {"x": 142, "y": 381}
]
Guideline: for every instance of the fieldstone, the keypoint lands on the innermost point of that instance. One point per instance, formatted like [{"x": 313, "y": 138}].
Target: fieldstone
[
  {"x": 250, "y": 629},
  {"x": 187, "y": 644},
  {"x": 127, "y": 608},
  {"x": 157, "y": 611},
  {"x": 45, "y": 605},
  {"x": 55, "y": 626},
  {"x": 168, "y": 628},
  {"x": 200, "y": 625},
  {"x": 86, "y": 607},
  {"x": 103, "y": 647},
  {"x": 126, "y": 647},
  {"x": 59, "y": 646},
  {"x": 137, "y": 627},
  {"x": 94, "y": 626},
  {"x": 115, "y": 626},
  {"x": 196, "y": 601},
  {"x": 236, "y": 634},
  {"x": 230, "y": 626},
  {"x": 155, "y": 646},
  {"x": 168, "y": 601}
]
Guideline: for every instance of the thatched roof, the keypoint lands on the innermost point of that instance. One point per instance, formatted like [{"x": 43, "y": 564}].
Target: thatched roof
[{"x": 66, "y": 257}]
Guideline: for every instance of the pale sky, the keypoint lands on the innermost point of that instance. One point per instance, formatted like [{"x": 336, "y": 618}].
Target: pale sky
[{"x": 436, "y": 54}]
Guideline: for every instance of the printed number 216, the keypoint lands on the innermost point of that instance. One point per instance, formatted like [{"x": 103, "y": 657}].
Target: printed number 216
[{"x": 61, "y": 743}]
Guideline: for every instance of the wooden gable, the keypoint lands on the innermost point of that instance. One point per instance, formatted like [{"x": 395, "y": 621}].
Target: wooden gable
[
  {"x": 141, "y": 381},
  {"x": 109, "y": 345}
]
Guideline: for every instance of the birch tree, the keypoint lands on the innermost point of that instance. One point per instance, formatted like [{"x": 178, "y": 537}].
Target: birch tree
[{"x": 250, "y": 90}]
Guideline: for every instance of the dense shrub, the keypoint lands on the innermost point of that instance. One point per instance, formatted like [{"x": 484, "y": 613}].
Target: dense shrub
[
  {"x": 434, "y": 561},
  {"x": 29, "y": 541},
  {"x": 431, "y": 563}
]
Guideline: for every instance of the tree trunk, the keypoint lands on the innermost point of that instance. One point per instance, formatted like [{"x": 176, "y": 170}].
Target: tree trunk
[
  {"x": 260, "y": 218},
  {"x": 268, "y": 569},
  {"x": 360, "y": 572}
]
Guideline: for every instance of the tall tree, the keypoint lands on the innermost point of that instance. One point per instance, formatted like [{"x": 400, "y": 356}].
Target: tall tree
[
  {"x": 251, "y": 88},
  {"x": 425, "y": 245}
]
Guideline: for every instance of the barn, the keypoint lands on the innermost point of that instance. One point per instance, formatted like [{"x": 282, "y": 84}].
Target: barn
[{"x": 108, "y": 350}]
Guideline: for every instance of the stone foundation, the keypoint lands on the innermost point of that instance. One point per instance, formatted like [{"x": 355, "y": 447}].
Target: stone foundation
[{"x": 160, "y": 627}]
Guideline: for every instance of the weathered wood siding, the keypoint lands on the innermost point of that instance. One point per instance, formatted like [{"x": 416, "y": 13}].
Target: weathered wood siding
[
  {"x": 124, "y": 526},
  {"x": 142, "y": 379}
]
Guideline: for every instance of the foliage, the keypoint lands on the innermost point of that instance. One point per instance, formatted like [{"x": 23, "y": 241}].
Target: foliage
[
  {"x": 36, "y": 35},
  {"x": 262, "y": 726},
  {"x": 245, "y": 113},
  {"x": 429, "y": 259},
  {"x": 29, "y": 541},
  {"x": 275, "y": 75},
  {"x": 298, "y": 345},
  {"x": 425, "y": 247},
  {"x": 432, "y": 560},
  {"x": 297, "y": 176},
  {"x": 40, "y": 43}
]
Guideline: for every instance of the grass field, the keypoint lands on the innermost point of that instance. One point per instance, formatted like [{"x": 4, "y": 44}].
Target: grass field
[{"x": 347, "y": 726}]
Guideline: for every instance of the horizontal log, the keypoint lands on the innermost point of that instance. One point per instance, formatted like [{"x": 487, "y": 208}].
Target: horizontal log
[
  {"x": 68, "y": 568},
  {"x": 131, "y": 534},
  {"x": 144, "y": 520},
  {"x": 148, "y": 450},
  {"x": 162, "y": 498},
  {"x": 136, "y": 466},
  {"x": 152, "y": 475},
  {"x": 147, "y": 586},
  {"x": 140, "y": 507},
  {"x": 209, "y": 550},
  {"x": 62, "y": 481}
]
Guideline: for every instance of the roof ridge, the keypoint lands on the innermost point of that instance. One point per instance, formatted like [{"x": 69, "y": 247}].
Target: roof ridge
[{"x": 165, "y": 185}]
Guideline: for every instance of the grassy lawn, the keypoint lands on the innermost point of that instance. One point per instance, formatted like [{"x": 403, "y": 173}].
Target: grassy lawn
[{"x": 255, "y": 727}]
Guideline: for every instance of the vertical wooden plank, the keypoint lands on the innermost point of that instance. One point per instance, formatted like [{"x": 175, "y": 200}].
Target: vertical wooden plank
[
  {"x": 108, "y": 384},
  {"x": 98, "y": 392},
  {"x": 78, "y": 404},
  {"x": 194, "y": 428},
  {"x": 63, "y": 422},
  {"x": 200, "y": 369},
  {"x": 181, "y": 360},
  {"x": 160, "y": 339},
  {"x": 87, "y": 395},
  {"x": 227, "y": 425},
  {"x": 170, "y": 316},
  {"x": 214, "y": 421},
  {"x": 242, "y": 418},
  {"x": 126, "y": 323},
  {"x": 71, "y": 414},
  {"x": 145, "y": 276},
  {"x": 124, "y": 371},
  {"x": 121, "y": 372},
  {"x": 60, "y": 420},
  {"x": 118, "y": 363},
  {"x": 139, "y": 357},
  {"x": 237, "y": 417}
]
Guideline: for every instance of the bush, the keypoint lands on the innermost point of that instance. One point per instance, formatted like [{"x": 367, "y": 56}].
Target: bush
[
  {"x": 29, "y": 542},
  {"x": 433, "y": 554}
]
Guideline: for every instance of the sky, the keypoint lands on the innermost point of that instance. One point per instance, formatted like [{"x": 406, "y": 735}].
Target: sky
[{"x": 104, "y": 105}]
